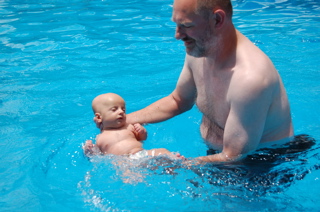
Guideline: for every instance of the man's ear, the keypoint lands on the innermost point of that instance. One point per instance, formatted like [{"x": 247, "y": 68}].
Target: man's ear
[{"x": 219, "y": 16}]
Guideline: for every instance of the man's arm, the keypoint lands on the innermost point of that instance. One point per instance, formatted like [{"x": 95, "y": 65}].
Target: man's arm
[
  {"x": 246, "y": 120},
  {"x": 160, "y": 110},
  {"x": 179, "y": 101}
]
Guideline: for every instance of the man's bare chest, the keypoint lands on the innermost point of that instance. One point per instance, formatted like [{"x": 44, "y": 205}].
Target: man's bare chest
[{"x": 212, "y": 98}]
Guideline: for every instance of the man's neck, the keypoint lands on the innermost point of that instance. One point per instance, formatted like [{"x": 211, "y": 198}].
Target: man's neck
[{"x": 225, "y": 55}]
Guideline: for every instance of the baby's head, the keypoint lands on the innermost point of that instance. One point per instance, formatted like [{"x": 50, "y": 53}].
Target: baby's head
[{"x": 109, "y": 111}]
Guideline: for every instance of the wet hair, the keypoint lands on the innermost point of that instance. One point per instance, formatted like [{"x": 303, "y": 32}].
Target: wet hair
[{"x": 204, "y": 7}]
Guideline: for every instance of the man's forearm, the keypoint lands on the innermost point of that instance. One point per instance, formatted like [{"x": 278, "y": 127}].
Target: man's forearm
[
  {"x": 220, "y": 157},
  {"x": 161, "y": 110}
]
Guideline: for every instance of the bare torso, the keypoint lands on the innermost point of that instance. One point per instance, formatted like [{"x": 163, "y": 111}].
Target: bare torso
[
  {"x": 216, "y": 89},
  {"x": 119, "y": 141}
]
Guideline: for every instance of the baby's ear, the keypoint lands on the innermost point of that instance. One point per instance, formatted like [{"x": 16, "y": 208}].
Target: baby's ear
[{"x": 97, "y": 118}]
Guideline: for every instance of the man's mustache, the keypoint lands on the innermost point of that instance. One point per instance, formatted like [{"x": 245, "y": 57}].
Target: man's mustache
[{"x": 187, "y": 39}]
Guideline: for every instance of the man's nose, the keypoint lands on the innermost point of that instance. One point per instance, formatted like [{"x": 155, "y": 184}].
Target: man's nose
[{"x": 180, "y": 34}]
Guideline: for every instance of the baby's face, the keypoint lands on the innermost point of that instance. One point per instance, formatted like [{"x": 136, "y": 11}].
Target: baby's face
[{"x": 113, "y": 114}]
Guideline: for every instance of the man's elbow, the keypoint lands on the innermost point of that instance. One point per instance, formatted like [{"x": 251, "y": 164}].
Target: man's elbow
[{"x": 181, "y": 104}]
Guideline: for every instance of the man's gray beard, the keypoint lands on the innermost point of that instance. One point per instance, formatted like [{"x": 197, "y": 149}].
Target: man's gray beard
[
  {"x": 211, "y": 45},
  {"x": 196, "y": 52},
  {"x": 202, "y": 52}
]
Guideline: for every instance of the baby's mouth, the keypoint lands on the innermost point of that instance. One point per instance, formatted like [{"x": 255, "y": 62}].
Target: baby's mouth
[{"x": 121, "y": 118}]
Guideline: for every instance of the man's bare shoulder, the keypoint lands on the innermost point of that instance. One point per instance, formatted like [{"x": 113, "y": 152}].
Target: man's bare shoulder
[
  {"x": 253, "y": 66},
  {"x": 253, "y": 77},
  {"x": 248, "y": 51}
]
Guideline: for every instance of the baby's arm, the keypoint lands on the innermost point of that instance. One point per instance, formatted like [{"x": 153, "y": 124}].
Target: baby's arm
[
  {"x": 140, "y": 132},
  {"x": 91, "y": 149}
]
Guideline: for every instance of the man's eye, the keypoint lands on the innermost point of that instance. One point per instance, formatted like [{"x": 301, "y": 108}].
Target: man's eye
[{"x": 187, "y": 25}]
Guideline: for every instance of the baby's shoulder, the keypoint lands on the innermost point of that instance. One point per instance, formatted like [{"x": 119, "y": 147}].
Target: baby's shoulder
[{"x": 102, "y": 136}]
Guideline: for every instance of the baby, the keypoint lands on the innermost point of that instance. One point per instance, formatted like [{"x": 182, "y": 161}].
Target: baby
[{"x": 116, "y": 136}]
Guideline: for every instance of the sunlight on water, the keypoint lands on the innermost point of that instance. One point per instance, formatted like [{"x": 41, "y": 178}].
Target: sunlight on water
[{"x": 56, "y": 56}]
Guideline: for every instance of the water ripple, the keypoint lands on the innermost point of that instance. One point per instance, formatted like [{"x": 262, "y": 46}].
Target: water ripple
[{"x": 57, "y": 55}]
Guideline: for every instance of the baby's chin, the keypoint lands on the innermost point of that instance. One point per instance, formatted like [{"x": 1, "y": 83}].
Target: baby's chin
[{"x": 121, "y": 122}]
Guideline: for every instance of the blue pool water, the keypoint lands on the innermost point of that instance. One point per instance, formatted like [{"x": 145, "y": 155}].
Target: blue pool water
[{"x": 56, "y": 56}]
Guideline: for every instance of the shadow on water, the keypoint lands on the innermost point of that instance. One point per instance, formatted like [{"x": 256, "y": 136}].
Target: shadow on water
[{"x": 268, "y": 170}]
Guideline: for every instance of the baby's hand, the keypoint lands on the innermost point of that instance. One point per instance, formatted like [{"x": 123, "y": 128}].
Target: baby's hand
[
  {"x": 140, "y": 131},
  {"x": 138, "y": 128},
  {"x": 91, "y": 149},
  {"x": 88, "y": 147}
]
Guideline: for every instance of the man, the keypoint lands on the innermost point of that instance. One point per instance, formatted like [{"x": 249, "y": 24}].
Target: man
[{"x": 233, "y": 83}]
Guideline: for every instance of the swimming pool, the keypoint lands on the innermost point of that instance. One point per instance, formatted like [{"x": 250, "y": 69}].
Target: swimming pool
[{"x": 57, "y": 55}]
